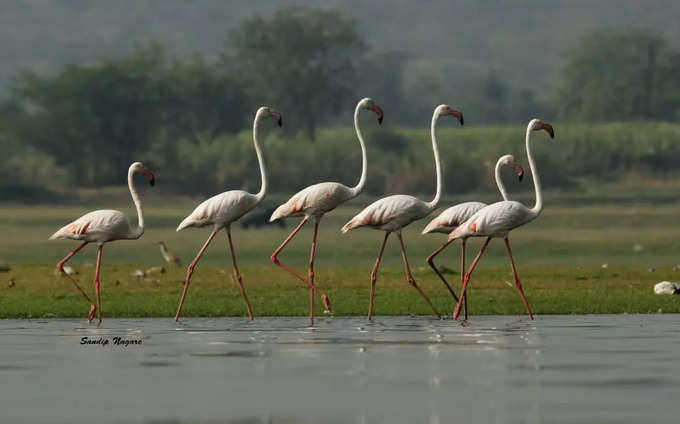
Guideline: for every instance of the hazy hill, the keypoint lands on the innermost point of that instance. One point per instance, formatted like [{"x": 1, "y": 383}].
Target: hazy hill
[{"x": 451, "y": 41}]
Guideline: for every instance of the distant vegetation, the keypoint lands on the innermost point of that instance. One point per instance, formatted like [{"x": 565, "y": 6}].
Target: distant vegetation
[{"x": 189, "y": 116}]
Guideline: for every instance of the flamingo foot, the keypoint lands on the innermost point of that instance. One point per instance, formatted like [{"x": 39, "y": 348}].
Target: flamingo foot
[
  {"x": 327, "y": 303},
  {"x": 93, "y": 310}
]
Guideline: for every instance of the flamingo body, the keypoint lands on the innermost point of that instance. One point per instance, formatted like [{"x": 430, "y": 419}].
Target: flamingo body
[
  {"x": 390, "y": 213},
  {"x": 495, "y": 220},
  {"x": 98, "y": 226},
  {"x": 314, "y": 201},
  {"x": 221, "y": 210},
  {"x": 452, "y": 217}
]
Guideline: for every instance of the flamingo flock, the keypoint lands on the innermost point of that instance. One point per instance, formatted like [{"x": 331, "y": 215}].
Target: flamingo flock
[{"x": 390, "y": 214}]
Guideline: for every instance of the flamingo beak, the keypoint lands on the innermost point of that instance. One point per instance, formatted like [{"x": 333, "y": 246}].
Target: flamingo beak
[
  {"x": 549, "y": 129},
  {"x": 149, "y": 176},
  {"x": 378, "y": 111},
  {"x": 458, "y": 115},
  {"x": 520, "y": 172},
  {"x": 277, "y": 116}
]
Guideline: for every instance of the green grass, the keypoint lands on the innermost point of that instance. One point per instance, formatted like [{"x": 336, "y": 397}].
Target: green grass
[{"x": 559, "y": 256}]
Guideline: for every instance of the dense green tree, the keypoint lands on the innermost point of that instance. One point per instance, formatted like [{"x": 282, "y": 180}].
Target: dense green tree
[
  {"x": 621, "y": 75},
  {"x": 299, "y": 59}
]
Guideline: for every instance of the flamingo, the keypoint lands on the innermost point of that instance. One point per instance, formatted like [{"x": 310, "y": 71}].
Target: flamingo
[
  {"x": 314, "y": 201},
  {"x": 498, "y": 219},
  {"x": 446, "y": 221},
  {"x": 223, "y": 209},
  {"x": 392, "y": 213},
  {"x": 103, "y": 226}
]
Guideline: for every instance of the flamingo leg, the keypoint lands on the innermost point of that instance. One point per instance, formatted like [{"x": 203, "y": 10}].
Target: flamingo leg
[
  {"x": 430, "y": 261},
  {"x": 410, "y": 278},
  {"x": 97, "y": 284},
  {"x": 311, "y": 275},
  {"x": 517, "y": 283},
  {"x": 190, "y": 272},
  {"x": 462, "y": 268},
  {"x": 466, "y": 278},
  {"x": 274, "y": 258},
  {"x": 60, "y": 268},
  {"x": 237, "y": 274},
  {"x": 374, "y": 276}
]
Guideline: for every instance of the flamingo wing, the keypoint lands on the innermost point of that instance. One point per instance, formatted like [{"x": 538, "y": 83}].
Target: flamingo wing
[
  {"x": 101, "y": 225},
  {"x": 221, "y": 209},
  {"x": 495, "y": 220},
  {"x": 314, "y": 200},
  {"x": 452, "y": 217},
  {"x": 389, "y": 213}
]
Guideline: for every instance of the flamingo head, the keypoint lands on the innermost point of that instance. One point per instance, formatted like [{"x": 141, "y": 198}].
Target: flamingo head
[
  {"x": 368, "y": 104},
  {"x": 448, "y": 110},
  {"x": 509, "y": 160},
  {"x": 537, "y": 124},
  {"x": 139, "y": 168},
  {"x": 267, "y": 112}
]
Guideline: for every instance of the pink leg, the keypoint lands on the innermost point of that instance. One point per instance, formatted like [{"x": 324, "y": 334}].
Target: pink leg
[
  {"x": 60, "y": 268},
  {"x": 374, "y": 276},
  {"x": 462, "y": 273},
  {"x": 311, "y": 275},
  {"x": 237, "y": 274},
  {"x": 517, "y": 283},
  {"x": 430, "y": 261},
  {"x": 97, "y": 284},
  {"x": 466, "y": 278},
  {"x": 326, "y": 301},
  {"x": 190, "y": 272},
  {"x": 409, "y": 277}
]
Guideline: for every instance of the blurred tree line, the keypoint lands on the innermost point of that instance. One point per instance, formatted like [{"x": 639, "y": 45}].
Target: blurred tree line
[{"x": 190, "y": 117}]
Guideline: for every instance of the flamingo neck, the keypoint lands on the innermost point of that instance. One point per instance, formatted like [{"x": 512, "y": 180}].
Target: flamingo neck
[
  {"x": 538, "y": 207},
  {"x": 356, "y": 190},
  {"x": 137, "y": 232},
  {"x": 499, "y": 180},
  {"x": 435, "y": 148},
  {"x": 263, "y": 169}
]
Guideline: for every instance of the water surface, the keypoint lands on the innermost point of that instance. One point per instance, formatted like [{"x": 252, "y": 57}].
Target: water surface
[{"x": 557, "y": 369}]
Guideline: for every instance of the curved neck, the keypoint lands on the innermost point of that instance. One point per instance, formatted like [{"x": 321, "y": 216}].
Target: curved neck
[
  {"x": 435, "y": 148},
  {"x": 538, "y": 207},
  {"x": 362, "y": 181},
  {"x": 137, "y": 232},
  {"x": 260, "y": 160},
  {"x": 499, "y": 180}
]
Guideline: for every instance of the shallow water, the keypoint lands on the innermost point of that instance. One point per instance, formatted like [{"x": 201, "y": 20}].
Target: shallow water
[{"x": 557, "y": 369}]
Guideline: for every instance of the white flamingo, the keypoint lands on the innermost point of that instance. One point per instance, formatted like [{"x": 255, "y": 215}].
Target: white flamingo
[
  {"x": 223, "y": 209},
  {"x": 392, "y": 213},
  {"x": 103, "y": 226},
  {"x": 314, "y": 201},
  {"x": 498, "y": 219},
  {"x": 446, "y": 221}
]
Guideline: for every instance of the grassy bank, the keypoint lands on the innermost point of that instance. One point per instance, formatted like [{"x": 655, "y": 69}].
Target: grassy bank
[{"x": 560, "y": 258}]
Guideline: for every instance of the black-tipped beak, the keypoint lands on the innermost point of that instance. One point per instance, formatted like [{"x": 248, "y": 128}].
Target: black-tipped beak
[
  {"x": 549, "y": 129},
  {"x": 459, "y": 115},
  {"x": 520, "y": 172},
  {"x": 149, "y": 176},
  {"x": 379, "y": 112},
  {"x": 279, "y": 121}
]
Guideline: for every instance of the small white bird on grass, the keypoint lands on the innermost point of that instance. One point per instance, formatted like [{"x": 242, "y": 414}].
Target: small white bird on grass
[{"x": 101, "y": 227}]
